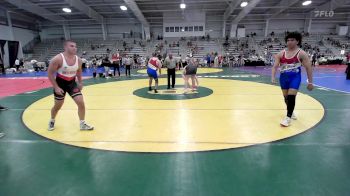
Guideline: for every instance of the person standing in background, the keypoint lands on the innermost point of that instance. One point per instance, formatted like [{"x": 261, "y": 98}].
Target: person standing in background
[
  {"x": 116, "y": 63},
  {"x": 348, "y": 68},
  {"x": 314, "y": 56},
  {"x": 127, "y": 62},
  {"x": 17, "y": 64},
  {"x": 106, "y": 64},
  {"x": 2, "y": 67},
  {"x": 208, "y": 60}
]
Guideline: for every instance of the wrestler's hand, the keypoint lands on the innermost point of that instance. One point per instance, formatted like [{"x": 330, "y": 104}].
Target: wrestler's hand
[
  {"x": 80, "y": 86},
  {"x": 310, "y": 86},
  {"x": 59, "y": 91}
]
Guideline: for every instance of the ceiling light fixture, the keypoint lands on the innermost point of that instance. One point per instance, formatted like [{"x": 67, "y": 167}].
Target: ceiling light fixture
[
  {"x": 244, "y": 3},
  {"x": 123, "y": 7},
  {"x": 67, "y": 10},
  {"x": 307, "y": 3}
]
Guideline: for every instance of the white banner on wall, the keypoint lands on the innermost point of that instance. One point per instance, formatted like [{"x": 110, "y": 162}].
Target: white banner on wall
[
  {"x": 184, "y": 24},
  {"x": 240, "y": 32},
  {"x": 342, "y": 30}
]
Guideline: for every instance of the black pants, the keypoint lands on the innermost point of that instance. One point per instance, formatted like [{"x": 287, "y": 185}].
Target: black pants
[
  {"x": 348, "y": 72},
  {"x": 2, "y": 68},
  {"x": 116, "y": 68},
  {"x": 171, "y": 72},
  {"x": 127, "y": 68}
]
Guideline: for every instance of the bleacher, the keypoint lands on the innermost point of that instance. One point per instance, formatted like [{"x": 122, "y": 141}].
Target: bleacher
[
  {"x": 48, "y": 48},
  {"x": 277, "y": 43},
  {"x": 40, "y": 51},
  {"x": 314, "y": 42},
  {"x": 204, "y": 47},
  {"x": 232, "y": 48},
  {"x": 343, "y": 43}
]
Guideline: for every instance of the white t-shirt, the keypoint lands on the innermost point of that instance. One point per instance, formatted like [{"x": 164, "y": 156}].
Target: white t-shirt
[{"x": 127, "y": 61}]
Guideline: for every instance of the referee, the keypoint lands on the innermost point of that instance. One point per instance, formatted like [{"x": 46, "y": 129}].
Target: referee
[{"x": 170, "y": 63}]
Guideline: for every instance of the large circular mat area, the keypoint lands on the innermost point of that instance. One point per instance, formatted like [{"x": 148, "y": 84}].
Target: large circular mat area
[
  {"x": 201, "y": 70},
  {"x": 236, "y": 114}
]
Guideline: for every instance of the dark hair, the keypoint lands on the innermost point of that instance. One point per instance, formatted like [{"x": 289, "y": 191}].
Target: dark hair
[
  {"x": 296, "y": 35},
  {"x": 66, "y": 41}
]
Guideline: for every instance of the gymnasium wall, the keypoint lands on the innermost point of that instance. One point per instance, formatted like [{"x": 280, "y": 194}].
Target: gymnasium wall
[
  {"x": 212, "y": 26},
  {"x": 91, "y": 31},
  {"x": 156, "y": 30},
  {"x": 52, "y": 32},
  {"x": 324, "y": 28},
  {"x": 259, "y": 29},
  {"x": 22, "y": 35},
  {"x": 184, "y": 19},
  {"x": 279, "y": 26},
  {"x": 292, "y": 25}
]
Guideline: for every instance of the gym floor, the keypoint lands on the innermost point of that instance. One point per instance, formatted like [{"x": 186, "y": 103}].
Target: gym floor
[{"x": 223, "y": 139}]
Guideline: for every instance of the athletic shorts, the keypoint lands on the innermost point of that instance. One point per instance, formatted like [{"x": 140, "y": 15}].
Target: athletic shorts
[
  {"x": 290, "y": 80},
  {"x": 70, "y": 87},
  {"x": 152, "y": 73},
  {"x": 191, "y": 70}
]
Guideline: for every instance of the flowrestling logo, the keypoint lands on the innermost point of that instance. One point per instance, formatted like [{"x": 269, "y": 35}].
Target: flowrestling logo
[{"x": 323, "y": 13}]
